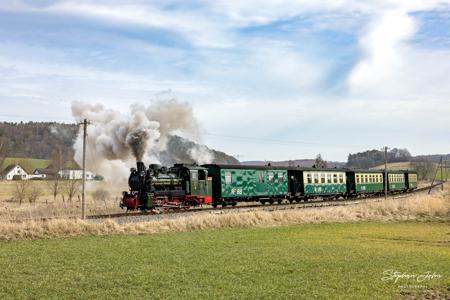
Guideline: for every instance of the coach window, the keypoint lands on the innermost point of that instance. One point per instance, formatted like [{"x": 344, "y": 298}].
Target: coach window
[
  {"x": 357, "y": 178},
  {"x": 308, "y": 177},
  {"x": 329, "y": 178},
  {"x": 335, "y": 180},
  {"x": 322, "y": 178},
  {"x": 341, "y": 178},
  {"x": 227, "y": 177},
  {"x": 280, "y": 177},
  {"x": 270, "y": 177},
  {"x": 316, "y": 178}
]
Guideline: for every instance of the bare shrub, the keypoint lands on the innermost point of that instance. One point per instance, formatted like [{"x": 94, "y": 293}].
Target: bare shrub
[
  {"x": 55, "y": 184},
  {"x": 33, "y": 192},
  {"x": 71, "y": 187},
  {"x": 21, "y": 189},
  {"x": 101, "y": 195}
]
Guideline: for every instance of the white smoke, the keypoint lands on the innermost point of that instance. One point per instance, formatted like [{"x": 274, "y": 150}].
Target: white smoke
[
  {"x": 115, "y": 141},
  {"x": 201, "y": 154}
]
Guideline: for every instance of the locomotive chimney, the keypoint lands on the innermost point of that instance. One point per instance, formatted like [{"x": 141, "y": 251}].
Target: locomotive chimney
[{"x": 140, "y": 167}]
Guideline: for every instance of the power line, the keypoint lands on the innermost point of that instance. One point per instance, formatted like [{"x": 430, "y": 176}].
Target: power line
[{"x": 246, "y": 138}]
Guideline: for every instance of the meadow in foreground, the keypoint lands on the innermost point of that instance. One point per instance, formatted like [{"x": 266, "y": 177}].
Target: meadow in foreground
[{"x": 324, "y": 261}]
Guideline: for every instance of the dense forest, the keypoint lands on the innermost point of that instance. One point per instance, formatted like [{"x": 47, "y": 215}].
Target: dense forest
[
  {"x": 37, "y": 139},
  {"x": 40, "y": 139},
  {"x": 373, "y": 158}
]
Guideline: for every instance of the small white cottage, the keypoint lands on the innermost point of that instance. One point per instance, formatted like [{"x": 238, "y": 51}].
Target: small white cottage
[{"x": 14, "y": 172}]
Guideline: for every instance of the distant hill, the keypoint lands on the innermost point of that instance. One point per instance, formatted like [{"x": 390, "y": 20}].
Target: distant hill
[
  {"x": 293, "y": 163},
  {"x": 178, "y": 152},
  {"x": 39, "y": 139}
]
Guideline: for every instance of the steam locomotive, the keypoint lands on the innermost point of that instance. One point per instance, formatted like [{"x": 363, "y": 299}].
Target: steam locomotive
[
  {"x": 184, "y": 186},
  {"x": 181, "y": 186}
]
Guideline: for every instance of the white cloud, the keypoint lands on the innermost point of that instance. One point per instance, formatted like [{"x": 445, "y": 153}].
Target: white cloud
[
  {"x": 249, "y": 85},
  {"x": 383, "y": 48}
]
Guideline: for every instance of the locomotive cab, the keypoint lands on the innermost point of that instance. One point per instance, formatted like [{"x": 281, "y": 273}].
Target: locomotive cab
[{"x": 195, "y": 182}]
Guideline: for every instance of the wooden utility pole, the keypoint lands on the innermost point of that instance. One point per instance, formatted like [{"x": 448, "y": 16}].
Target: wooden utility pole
[
  {"x": 83, "y": 187},
  {"x": 442, "y": 174},
  {"x": 447, "y": 170},
  {"x": 435, "y": 176},
  {"x": 385, "y": 172}
]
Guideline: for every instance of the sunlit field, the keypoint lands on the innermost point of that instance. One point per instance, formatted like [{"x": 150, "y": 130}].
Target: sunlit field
[{"x": 323, "y": 261}]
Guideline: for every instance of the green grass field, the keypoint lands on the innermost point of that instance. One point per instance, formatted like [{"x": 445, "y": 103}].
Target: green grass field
[{"x": 326, "y": 261}]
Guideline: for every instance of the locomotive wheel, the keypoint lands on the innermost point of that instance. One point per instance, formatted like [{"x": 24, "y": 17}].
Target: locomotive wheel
[
  {"x": 224, "y": 204},
  {"x": 214, "y": 205},
  {"x": 263, "y": 202},
  {"x": 291, "y": 200},
  {"x": 233, "y": 203},
  {"x": 271, "y": 202},
  {"x": 279, "y": 201}
]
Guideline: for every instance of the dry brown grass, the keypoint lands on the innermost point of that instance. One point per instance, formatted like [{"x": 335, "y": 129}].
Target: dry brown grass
[
  {"x": 419, "y": 207},
  {"x": 46, "y": 207}
]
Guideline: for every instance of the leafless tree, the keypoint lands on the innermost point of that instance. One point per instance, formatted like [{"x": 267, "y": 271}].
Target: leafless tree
[
  {"x": 55, "y": 183},
  {"x": 2, "y": 156},
  {"x": 319, "y": 162},
  {"x": 33, "y": 192},
  {"x": 71, "y": 187},
  {"x": 425, "y": 169},
  {"x": 21, "y": 190}
]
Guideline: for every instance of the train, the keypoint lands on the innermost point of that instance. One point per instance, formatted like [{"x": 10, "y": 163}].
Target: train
[{"x": 183, "y": 186}]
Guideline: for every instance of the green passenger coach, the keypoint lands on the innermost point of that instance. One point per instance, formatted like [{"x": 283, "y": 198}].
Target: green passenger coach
[
  {"x": 324, "y": 182},
  {"x": 396, "y": 181},
  {"x": 411, "y": 180},
  {"x": 365, "y": 182},
  {"x": 232, "y": 184}
]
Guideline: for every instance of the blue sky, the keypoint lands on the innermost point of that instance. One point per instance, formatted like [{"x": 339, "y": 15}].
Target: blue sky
[{"x": 267, "y": 79}]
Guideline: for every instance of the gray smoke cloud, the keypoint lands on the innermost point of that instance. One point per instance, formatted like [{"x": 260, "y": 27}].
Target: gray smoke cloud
[{"x": 116, "y": 140}]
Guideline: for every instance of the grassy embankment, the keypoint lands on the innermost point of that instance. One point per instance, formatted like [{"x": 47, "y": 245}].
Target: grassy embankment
[
  {"x": 324, "y": 261},
  {"x": 421, "y": 207}
]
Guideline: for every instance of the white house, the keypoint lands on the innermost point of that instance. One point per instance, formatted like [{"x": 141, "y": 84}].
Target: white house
[
  {"x": 75, "y": 174},
  {"x": 14, "y": 172},
  {"x": 42, "y": 173}
]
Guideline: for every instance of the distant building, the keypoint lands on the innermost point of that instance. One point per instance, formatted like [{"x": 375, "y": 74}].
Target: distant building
[
  {"x": 30, "y": 168},
  {"x": 75, "y": 174},
  {"x": 14, "y": 172},
  {"x": 43, "y": 173}
]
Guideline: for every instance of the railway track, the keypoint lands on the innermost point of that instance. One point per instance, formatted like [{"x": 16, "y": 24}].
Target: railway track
[{"x": 288, "y": 205}]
